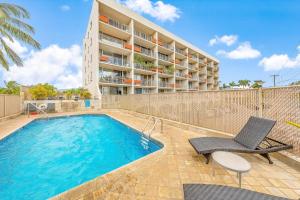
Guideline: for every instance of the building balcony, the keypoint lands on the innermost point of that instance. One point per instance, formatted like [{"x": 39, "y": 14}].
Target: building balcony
[
  {"x": 114, "y": 63},
  {"x": 210, "y": 81},
  {"x": 201, "y": 61},
  {"x": 192, "y": 67},
  {"x": 144, "y": 36},
  {"x": 115, "y": 80},
  {"x": 116, "y": 45},
  {"x": 114, "y": 23},
  {"x": 145, "y": 69},
  {"x": 163, "y": 84},
  {"x": 144, "y": 83},
  {"x": 145, "y": 52},
  {"x": 202, "y": 80},
  {"x": 209, "y": 66},
  {"x": 193, "y": 88},
  {"x": 144, "y": 39},
  {"x": 165, "y": 72},
  {"x": 193, "y": 58},
  {"x": 164, "y": 59},
  {"x": 180, "y": 51},
  {"x": 209, "y": 73},
  {"x": 181, "y": 76}
]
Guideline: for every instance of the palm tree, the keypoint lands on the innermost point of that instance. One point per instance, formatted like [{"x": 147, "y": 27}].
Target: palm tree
[
  {"x": 232, "y": 84},
  {"x": 13, "y": 28},
  {"x": 257, "y": 84},
  {"x": 244, "y": 83}
]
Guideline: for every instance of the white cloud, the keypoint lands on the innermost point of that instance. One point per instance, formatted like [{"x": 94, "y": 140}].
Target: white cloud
[
  {"x": 159, "y": 10},
  {"x": 280, "y": 61},
  {"x": 55, "y": 65},
  {"x": 16, "y": 47},
  {"x": 65, "y": 8},
  {"x": 225, "y": 39},
  {"x": 243, "y": 51}
]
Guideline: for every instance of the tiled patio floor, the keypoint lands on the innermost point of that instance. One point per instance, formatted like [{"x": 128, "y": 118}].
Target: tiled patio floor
[{"x": 161, "y": 175}]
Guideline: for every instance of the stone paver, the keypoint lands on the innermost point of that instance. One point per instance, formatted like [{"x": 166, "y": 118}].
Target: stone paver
[{"x": 161, "y": 174}]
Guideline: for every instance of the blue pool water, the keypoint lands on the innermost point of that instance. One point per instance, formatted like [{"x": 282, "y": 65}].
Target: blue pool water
[{"x": 47, "y": 157}]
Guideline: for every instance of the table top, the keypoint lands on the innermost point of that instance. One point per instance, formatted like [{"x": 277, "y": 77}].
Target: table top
[{"x": 231, "y": 161}]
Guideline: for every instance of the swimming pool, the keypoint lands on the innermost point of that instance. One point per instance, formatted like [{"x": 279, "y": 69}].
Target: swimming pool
[{"x": 47, "y": 157}]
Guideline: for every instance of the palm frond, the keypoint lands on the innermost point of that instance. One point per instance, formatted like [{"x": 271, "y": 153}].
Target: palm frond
[
  {"x": 3, "y": 34},
  {"x": 11, "y": 54},
  {"x": 3, "y": 14},
  {"x": 15, "y": 10},
  {"x": 3, "y": 61},
  {"x": 24, "y": 26},
  {"x": 21, "y": 35}
]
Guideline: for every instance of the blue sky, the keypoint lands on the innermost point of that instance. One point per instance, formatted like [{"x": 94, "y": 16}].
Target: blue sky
[{"x": 261, "y": 37}]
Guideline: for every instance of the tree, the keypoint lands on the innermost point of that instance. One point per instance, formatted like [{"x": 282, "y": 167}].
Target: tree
[
  {"x": 13, "y": 28},
  {"x": 244, "y": 83},
  {"x": 257, "y": 84},
  {"x": 225, "y": 86},
  {"x": 295, "y": 83},
  {"x": 85, "y": 94},
  {"x": 42, "y": 91},
  {"x": 232, "y": 84},
  {"x": 11, "y": 87}
]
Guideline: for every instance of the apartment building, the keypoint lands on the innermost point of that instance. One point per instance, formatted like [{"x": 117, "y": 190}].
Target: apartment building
[{"x": 124, "y": 53}]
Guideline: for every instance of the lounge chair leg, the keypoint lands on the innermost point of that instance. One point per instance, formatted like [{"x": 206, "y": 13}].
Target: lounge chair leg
[
  {"x": 267, "y": 156},
  {"x": 207, "y": 156}
]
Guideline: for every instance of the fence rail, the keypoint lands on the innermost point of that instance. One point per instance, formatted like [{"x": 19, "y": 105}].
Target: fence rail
[
  {"x": 9, "y": 105},
  {"x": 225, "y": 111}
]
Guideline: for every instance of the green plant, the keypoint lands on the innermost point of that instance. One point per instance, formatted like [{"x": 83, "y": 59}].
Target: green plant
[
  {"x": 85, "y": 94},
  {"x": 140, "y": 60},
  {"x": 232, "y": 84},
  {"x": 42, "y": 91},
  {"x": 11, "y": 87},
  {"x": 169, "y": 70},
  {"x": 257, "y": 84},
  {"x": 13, "y": 28},
  {"x": 244, "y": 83}
]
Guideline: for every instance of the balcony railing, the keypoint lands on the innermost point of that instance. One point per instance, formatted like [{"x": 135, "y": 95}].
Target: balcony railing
[
  {"x": 143, "y": 36},
  {"x": 114, "y": 60},
  {"x": 180, "y": 51},
  {"x": 193, "y": 57},
  {"x": 113, "y": 79},
  {"x": 144, "y": 67},
  {"x": 114, "y": 23},
  {"x": 201, "y": 61},
  {"x": 202, "y": 80},
  {"x": 180, "y": 74},
  {"x": 193, "y": 87},
  {"x": 147, "y": 83},
  {"x": 165, "y": 84},
  {"x": 144, "y": 51},
  {"x": 192, "y": 67},
  {"x": 111, "y": 40},
  {"x": 210, "y": 65},
  {"x": 167, "y": 46},
  {"x": 209, "y": 73},
  {"x": 164, "y": 57}
]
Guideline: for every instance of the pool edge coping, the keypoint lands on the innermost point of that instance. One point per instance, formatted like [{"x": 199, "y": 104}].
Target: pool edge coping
[{"x": 135, "y": 162}]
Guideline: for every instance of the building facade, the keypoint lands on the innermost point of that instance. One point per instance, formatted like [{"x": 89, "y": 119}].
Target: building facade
[{"x": 124, "y": 53}]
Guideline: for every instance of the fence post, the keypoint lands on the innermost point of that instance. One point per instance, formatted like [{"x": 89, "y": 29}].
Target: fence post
[{"x": 260, "y": 102}]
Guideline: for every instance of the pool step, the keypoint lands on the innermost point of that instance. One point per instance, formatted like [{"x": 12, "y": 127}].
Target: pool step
[{"x": 145, "y": 142}]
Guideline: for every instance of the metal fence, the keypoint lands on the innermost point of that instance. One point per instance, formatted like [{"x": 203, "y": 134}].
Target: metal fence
[
  {"x": 62, "y": 105},
  {"x": 225, "y": 111},
  {"x": 9, "y": 105}
]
